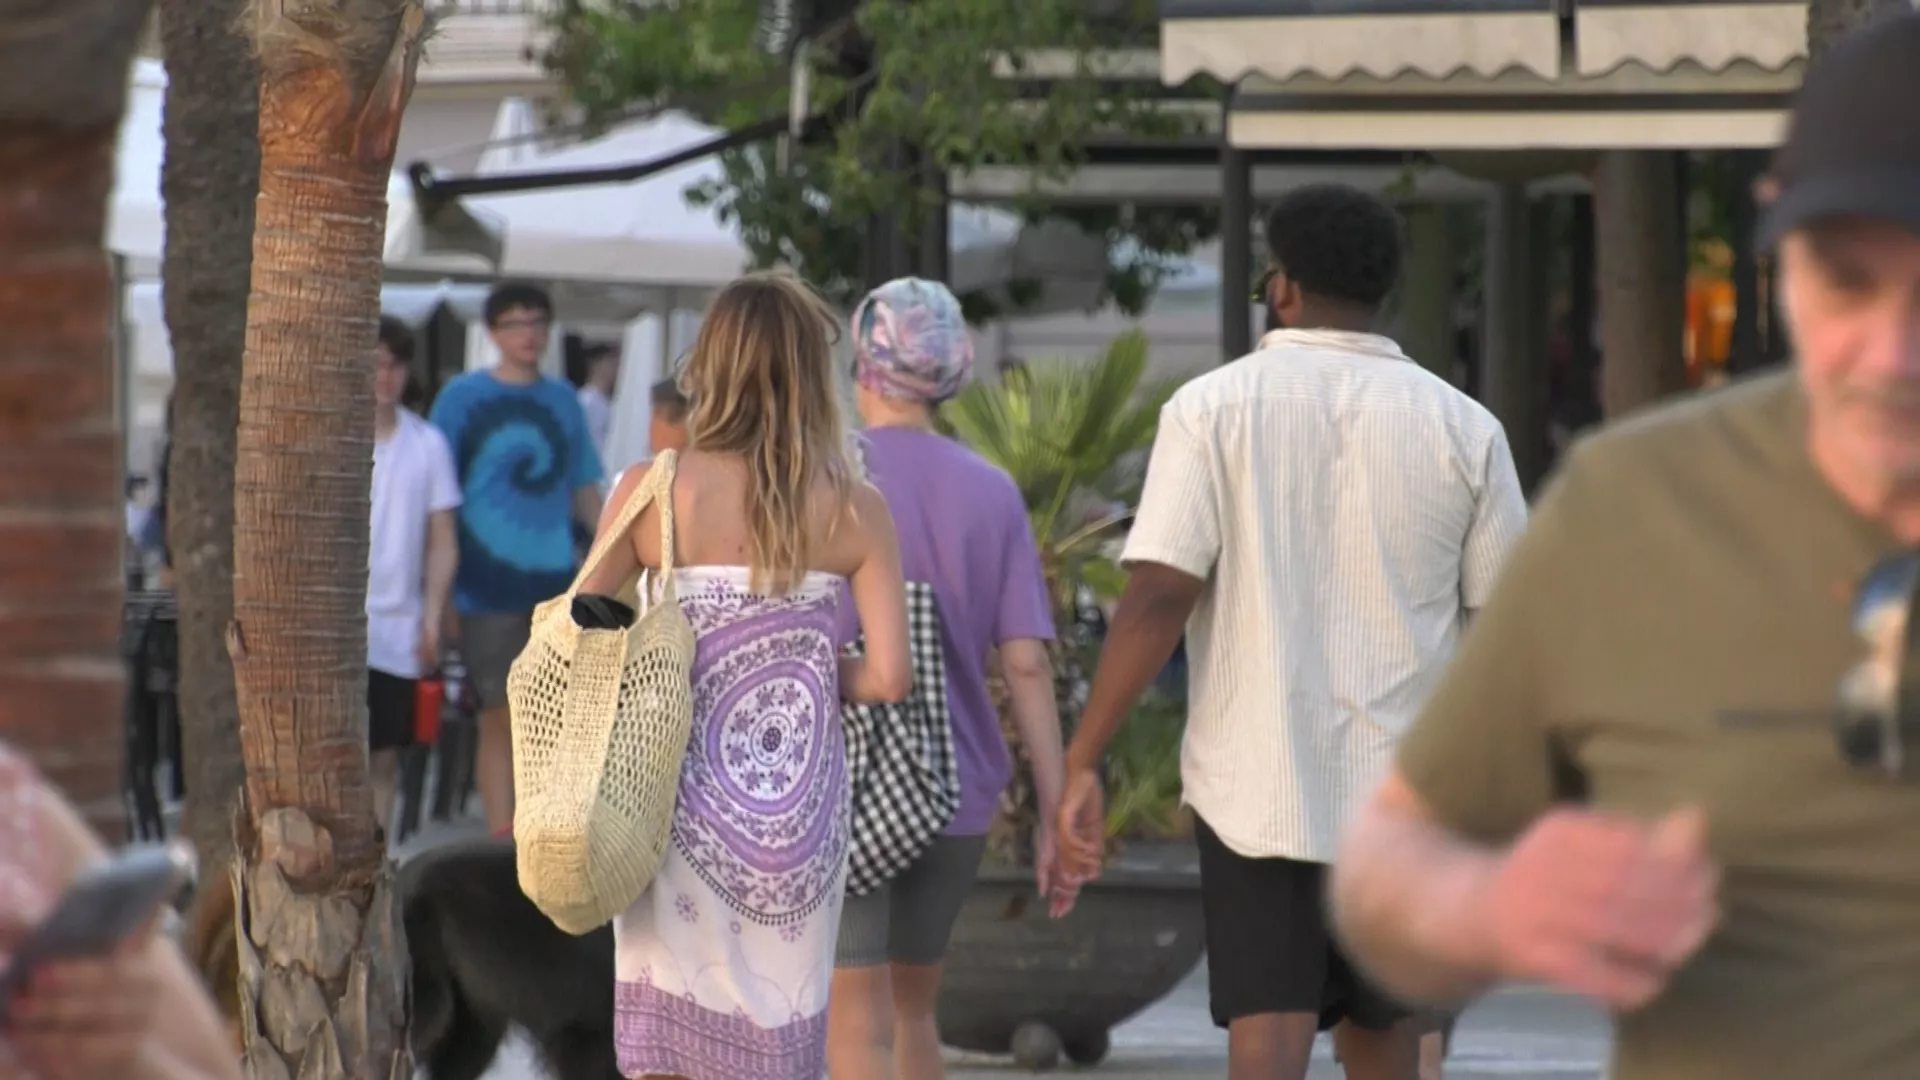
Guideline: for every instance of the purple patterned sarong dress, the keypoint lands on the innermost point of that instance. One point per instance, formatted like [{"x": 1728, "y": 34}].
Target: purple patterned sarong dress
[{"x": 723, "y": 965}]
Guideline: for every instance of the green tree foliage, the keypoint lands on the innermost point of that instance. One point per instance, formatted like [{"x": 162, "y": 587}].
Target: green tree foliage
[
  {"x": 1073, "y": 436},
  {"x": 953, "y": 78}
]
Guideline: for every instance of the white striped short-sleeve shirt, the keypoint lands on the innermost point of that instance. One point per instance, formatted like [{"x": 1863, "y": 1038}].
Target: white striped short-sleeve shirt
[{"x": 1346, "y": 508}]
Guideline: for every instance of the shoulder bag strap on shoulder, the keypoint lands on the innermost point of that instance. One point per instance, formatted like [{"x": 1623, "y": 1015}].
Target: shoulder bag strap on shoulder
[
  {"x": 664, "y": 468},
  {"x": 645, "y": 492}
]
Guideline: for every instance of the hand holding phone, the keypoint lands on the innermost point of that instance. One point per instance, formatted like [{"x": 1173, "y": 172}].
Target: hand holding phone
[
  {"x": 80, "y": 991},
  {"x": 106, "y": 905}
]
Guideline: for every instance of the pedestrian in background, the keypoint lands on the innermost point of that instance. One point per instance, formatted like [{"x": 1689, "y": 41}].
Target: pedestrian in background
[
  {"x": 528, "y": 472},
  {"x": 596, "y": 395},
  {"x": 963, "y": 529},
  {"x": 666, "y": 425},
  {"x": 1320, "y": 518},
  {"x": 413, "y": 551}
]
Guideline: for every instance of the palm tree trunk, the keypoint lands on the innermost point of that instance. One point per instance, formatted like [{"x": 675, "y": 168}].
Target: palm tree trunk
[
  {"x": 209, "y": 179},
  {"x": 323, "y": 960},
  {"x": 63, "y": 69}
]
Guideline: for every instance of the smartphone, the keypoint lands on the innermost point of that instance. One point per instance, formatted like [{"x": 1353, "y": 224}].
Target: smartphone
[{"x": 104, "y": 907}]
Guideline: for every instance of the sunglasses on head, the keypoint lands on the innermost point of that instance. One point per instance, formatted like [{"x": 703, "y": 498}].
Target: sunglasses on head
[
  {"x": 1879, "y": 698},
  {"x": 1263, "y": 284}
]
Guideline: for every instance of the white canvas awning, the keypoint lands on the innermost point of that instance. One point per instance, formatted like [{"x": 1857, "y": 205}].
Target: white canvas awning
[
  {"x": 1495, "y": 74},
  {"x": 1389, "y": 125},
  {"x": 1608, "y": 34},
  {"x": 1738, "y": 106},
  {"x": 1230, "y": 39}
]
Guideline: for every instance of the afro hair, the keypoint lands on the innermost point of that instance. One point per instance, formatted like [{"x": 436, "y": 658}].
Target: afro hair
[{"x": 1337, "y": 243}]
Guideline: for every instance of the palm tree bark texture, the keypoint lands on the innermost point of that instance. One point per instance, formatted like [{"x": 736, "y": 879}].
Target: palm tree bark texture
[
  {"x": 209, "y": 178},
  {"x": 63, "y": 75},
  {"x": 322, "y": 957}
]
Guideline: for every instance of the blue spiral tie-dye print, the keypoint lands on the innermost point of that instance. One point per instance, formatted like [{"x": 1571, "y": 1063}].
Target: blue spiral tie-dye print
[{"x": 522, "y": 451}]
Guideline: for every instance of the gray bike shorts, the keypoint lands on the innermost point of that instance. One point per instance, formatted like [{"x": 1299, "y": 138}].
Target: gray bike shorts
[
  {"x": 909, "y": 919},
  {"x": 490, "y": 644}
]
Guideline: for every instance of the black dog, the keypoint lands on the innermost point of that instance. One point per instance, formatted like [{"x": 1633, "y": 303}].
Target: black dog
[{"x": 484, "y": 959}]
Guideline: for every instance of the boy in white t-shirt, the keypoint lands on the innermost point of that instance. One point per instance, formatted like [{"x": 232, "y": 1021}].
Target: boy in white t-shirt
[{"x": 413, "y": 551}]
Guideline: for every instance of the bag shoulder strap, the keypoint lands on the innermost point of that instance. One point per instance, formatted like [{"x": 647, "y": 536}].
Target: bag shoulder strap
[
  {"x": 657, "y": 487},
  {"x": 664, "y": 468}
]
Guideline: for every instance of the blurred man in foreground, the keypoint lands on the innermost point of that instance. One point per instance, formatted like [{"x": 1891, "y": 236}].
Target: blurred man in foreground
[{"x": 1628, "y": 786}]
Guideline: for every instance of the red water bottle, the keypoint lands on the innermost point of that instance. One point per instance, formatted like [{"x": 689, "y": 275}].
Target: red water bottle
[{"x": 429, "y": 695}]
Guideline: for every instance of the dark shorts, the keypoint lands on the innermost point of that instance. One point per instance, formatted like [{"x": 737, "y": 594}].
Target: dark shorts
[
  {"x": 490, "y": 644},
  {"x": 909, "y": 919},
  {"x": 390, "y": 706},
  {"x": 1269, "y": 949}
]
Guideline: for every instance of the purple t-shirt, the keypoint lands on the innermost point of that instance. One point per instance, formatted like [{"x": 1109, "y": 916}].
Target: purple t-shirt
[{"x": 964, "y": 530}]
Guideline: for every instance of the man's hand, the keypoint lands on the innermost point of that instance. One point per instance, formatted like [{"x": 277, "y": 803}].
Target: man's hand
[
  {"x": 85, "y": 1019},
  {"x": 1081, "y": 826},
  {"x": 1602, "y": 906}
]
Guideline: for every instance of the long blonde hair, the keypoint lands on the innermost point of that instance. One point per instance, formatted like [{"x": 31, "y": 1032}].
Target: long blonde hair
[{"x": 760, "y": 379}]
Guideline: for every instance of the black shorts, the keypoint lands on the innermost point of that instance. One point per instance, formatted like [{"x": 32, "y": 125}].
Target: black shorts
[
  {"x": 390, "y": 706},
  {"x": 1268, "y": 946}
]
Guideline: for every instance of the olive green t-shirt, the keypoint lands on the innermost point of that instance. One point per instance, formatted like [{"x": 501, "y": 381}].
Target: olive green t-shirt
[{"x": 1670, "y": 631}]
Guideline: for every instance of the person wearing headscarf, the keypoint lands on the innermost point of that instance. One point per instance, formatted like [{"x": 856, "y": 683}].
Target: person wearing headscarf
[{"x": 963, "y": 529}]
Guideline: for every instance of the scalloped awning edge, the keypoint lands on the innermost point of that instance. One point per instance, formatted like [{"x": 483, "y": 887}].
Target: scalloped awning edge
[
  {"x": 1770, "y": 34},
  {"x": 1384, "y": 46}
]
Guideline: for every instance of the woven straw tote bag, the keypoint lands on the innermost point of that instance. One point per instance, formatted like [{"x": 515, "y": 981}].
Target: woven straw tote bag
[{"x": 600, "y": 722}]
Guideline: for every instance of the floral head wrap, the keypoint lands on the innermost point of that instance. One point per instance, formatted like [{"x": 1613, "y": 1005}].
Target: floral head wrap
[{"x": 910, "y": 342}]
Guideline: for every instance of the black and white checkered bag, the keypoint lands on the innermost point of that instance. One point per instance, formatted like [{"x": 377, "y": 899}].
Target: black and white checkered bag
[{"x": 900, "y": 761}]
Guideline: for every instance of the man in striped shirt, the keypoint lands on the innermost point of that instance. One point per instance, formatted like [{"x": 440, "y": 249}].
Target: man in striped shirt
[{"x": 1320, "y": 518}]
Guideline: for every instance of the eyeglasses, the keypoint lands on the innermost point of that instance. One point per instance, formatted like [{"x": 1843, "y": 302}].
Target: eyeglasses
[
  {"x": 1879, "y": 698},
  {"x": 531, "y": 323}
]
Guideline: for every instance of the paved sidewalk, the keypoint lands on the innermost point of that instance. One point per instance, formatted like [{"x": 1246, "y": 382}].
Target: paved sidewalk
[
  {"x": 1514, "y": 1035},
  {"x": 1517, "y": 1035}
]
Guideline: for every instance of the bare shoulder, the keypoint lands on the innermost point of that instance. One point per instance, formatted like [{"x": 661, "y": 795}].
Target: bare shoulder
[
  {"x": 866, "y": 518},
  {"x": 624, "y": 486},
  {"x": 859, "y": 523},
  {"x": 869, "y": 508}
]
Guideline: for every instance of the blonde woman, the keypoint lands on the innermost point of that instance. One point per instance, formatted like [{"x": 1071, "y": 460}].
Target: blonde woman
[
  {"x": 137, "y": 1015},
  {"x": 723, "y": 967}
]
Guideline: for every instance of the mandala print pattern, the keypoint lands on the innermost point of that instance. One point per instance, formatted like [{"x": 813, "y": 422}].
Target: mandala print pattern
[
  {"x": 725, "y": 964},
  {"x": 764, "y": 785}
]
